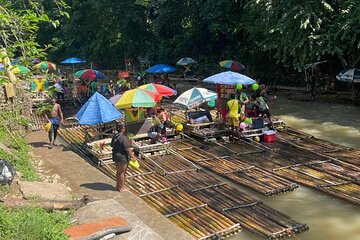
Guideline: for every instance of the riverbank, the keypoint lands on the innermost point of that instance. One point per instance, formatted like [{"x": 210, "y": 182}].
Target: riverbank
[
  {"x": 321, "y": 96},
  {"x": 83, "y": 178}
]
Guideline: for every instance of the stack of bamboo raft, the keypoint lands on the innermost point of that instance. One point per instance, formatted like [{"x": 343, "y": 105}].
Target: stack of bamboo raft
[
  {"x": 238, "y": 206},
  {"x": 171, "y": 164},
  {"x": 191, "y": 210},
  {"x": 297, "y": 163},
  {"x": 166, "y": 194},
  {"x": 188, "y": 212},
  {"x": 75, "y": 137},
  {"x": 228, "y": 166}
]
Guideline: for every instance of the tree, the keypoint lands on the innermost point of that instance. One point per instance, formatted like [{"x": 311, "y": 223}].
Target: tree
[
  {"x": 19, "y": 24},
  {"x": 297, "y": 33}
]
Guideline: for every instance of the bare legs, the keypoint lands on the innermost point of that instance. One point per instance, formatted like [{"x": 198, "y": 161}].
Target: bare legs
[
  {"x": 53, "y": 131},
  {"x": 120, "y": 176}
]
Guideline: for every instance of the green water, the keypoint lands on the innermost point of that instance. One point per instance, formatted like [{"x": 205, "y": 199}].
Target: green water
[{"x": 328, "y": 218}]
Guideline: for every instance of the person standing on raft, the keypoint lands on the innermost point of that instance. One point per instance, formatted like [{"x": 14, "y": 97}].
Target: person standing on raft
[
  {"x": 233, "y": 115},
  {"x": 121, "y": 155}
]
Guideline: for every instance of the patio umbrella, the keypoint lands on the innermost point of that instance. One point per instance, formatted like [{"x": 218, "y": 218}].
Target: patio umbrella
[
  {"x": 161, "y": 68},
  {"x": 137, "y": 98},
  {"x": 194, "y": 97},
  {"x": 97, "y": 110},
  {"x": 44, "y": 65},
  {"x": 20, "y": 69},
  {"x": 73, "y": 60},
  {"x": 89, "y": 74},
  {"x": 186, "y": 61},
  {"x": 115, "y": 99},
  {"x": 229, "y": 78},
  {"x": 232, "y": 65},
  {"x": 159, "y": 89},
  {"x": 349, "y": 75}
]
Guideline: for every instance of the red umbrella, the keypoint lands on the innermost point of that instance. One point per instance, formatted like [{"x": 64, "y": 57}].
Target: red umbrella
[{"x": 159, "y": 89}]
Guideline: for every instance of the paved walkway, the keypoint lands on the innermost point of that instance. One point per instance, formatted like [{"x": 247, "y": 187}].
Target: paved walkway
[{"x": 83, "y": 178}]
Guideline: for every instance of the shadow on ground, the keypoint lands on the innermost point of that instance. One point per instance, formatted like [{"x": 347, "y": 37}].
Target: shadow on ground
[
  {"x": 39, "y": 144},
  {"x": 99, "y": 186}
]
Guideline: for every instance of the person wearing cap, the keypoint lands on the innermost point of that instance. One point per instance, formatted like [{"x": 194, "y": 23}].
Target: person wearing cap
[{"x": 121, "y": 155}]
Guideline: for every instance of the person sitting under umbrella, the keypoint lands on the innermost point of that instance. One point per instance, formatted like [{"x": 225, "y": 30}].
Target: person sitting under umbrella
[
  {"x": 164, "y": 118},
  {"x": 154, "y": 133}
]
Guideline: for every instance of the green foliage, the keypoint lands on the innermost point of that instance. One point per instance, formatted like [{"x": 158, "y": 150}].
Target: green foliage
[
  {"x": 19, "y": 24},
  {"x": 44, "y": 108},
  {"x": 32, "y": 223},
  {"x": 297, "y": 33},
  {"x": 19, "y": 155},
  {"x": 264, "y": 35}
]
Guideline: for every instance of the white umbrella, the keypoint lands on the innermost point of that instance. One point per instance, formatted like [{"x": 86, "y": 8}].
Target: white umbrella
[
  {"x": 194, "y": 97},
  {"x": 186, "y": 61},
  {"x": 349, "y": 75},
  {"x": 229, "y": 78}
]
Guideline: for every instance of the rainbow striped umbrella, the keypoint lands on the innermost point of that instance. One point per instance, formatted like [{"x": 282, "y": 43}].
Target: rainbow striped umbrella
[
  {"x": 137, "y": 98},
  {"x": 232, "y": 65},
  {"x": 159, "y": 89},
  {"x": 89, "y": 74},
  {"x": 45, "y": 65},
  {"x": 20, "y": 69}
]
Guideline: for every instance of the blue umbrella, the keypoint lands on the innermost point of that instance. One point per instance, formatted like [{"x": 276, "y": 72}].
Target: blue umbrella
[
  {"x": 229, "y": 78},
  {"x": 161, "y": 68},
  {"x": 73, "y": 60},
  {"x": 97, "y": 110}
]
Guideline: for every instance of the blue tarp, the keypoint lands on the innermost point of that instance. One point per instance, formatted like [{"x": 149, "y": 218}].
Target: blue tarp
[
  {"x": 161, "y": 68},
  {"x": 229, "y": 78},
  {"x": 97, "y": 110}
]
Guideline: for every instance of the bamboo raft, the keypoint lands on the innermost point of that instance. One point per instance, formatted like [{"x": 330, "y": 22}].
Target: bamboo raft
[
  {"x": 260, "y": 180},
  {"x": 237, "y": 205},
  {"x": 171, "y": 164},
  {"x": 100, "y": 150},
  {"x": 144, "y": 147},
  {"x": 191, "y": 214},
  {"x": 312, "y": 144},
  {"x": 194, "y": 213},
  {"x": 316, "y": 170}
]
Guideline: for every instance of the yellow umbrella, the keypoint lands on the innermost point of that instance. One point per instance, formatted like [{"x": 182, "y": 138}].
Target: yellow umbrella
[{"x": 137, "y": 98}]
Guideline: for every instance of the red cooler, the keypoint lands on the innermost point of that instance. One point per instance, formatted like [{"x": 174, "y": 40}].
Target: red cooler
[{"x": 269, "y": 136}]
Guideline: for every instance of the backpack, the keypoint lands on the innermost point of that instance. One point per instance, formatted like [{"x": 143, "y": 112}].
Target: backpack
[{"x": 7, "y": 172}]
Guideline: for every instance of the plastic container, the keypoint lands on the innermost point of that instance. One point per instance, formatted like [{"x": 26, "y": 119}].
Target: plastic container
[{"x": 269, "y": 136}]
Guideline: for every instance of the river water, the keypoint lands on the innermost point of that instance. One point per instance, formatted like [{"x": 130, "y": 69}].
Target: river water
[{"x": 328, "y": 218}]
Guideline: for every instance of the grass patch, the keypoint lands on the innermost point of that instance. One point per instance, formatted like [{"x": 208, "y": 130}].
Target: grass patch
[
  {"x": 19, "y": 156},
  {"x": 33, "y": 223}
]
